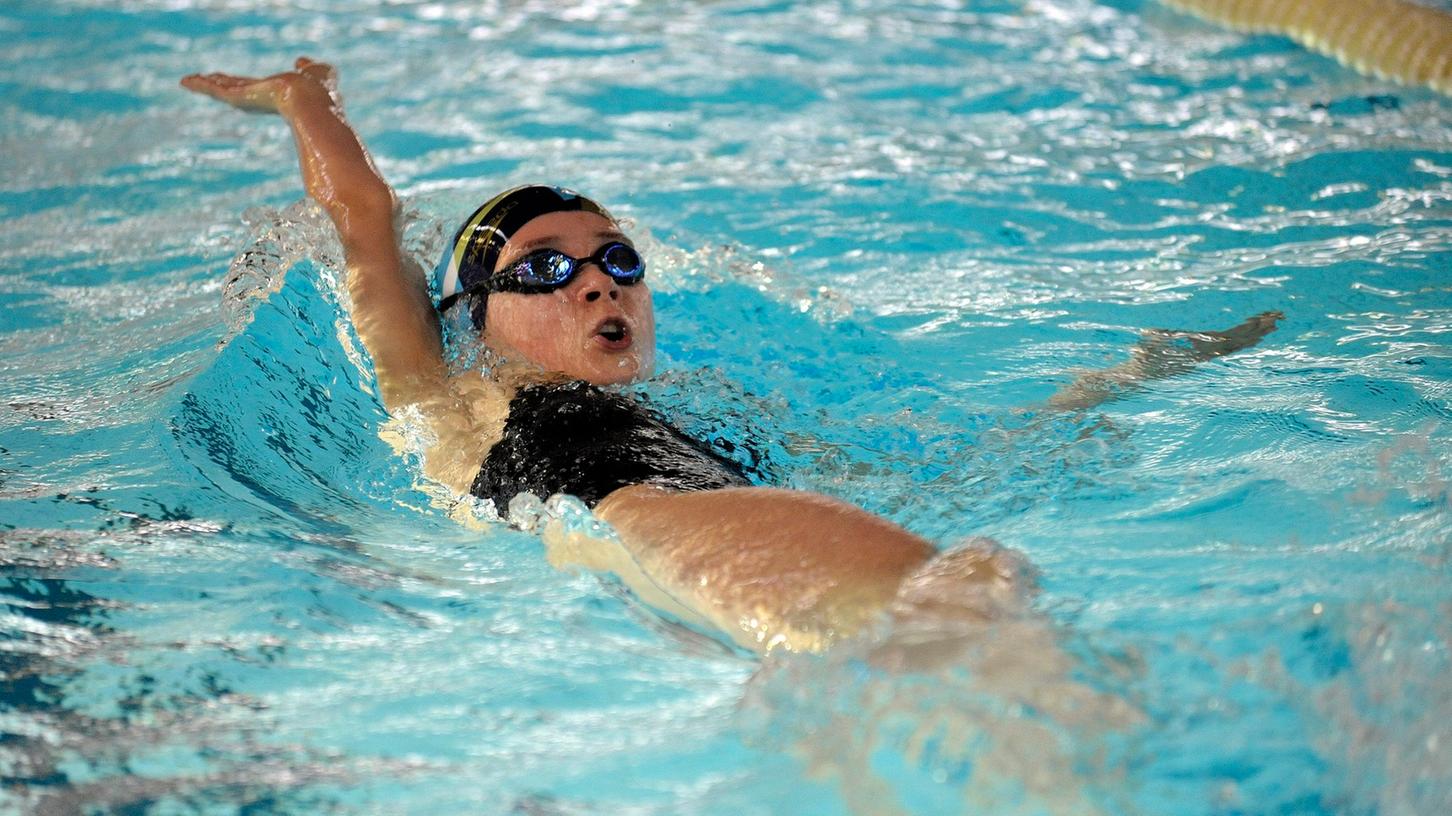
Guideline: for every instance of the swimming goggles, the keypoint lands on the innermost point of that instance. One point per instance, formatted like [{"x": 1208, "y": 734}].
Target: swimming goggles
[{"x": 546, "y": 270}]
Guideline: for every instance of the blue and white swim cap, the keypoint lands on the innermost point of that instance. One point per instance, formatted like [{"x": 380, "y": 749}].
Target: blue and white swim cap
[{"x": 472, "y": 255}]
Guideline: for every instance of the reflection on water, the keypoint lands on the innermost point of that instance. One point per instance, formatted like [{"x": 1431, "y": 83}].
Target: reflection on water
[
  {"x": 878, "y": 237},
  {"x": 964, "y": 701},
  {"x": 65, "y": 750}
]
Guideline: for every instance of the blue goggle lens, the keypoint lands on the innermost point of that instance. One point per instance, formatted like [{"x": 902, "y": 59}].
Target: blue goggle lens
[
  {"x": 547, "y": 269},
  {"x": 551, "y": 269},
  {"x": 622, "y": 263}
]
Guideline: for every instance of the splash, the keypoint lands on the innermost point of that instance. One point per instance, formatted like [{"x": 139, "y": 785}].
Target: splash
[
  {"x": 282, "y": 238},
  {"x": 959, "y": 702}
]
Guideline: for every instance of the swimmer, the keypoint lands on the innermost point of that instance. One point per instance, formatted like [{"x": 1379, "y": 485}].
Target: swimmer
[{"x": 558, "y": 292}]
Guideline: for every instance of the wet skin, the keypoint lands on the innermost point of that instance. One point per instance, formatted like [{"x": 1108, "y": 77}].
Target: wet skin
[
  {"x": 772, "y": 568},
  {"x": 591, "y": 329}
]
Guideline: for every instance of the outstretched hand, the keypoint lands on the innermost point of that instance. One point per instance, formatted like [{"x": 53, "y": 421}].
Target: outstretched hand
[
  {"x": 391, "y": 308},
  {"x": 266, "y": 94},
  {"x": 1161, "y": 353}
]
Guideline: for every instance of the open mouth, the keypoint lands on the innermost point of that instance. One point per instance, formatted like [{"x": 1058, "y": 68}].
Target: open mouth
[{"x": 613, "y": 334}]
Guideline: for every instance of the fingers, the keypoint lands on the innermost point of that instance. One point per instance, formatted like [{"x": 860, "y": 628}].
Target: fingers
[
  {"x": 208, "y": 84},
  {"x": 215, "y": 84},
  {"x": 320, "y": 71},
  {"x": 215, "y": 79},
  {"x": 244, "y": 93},
  {"x": 1255, "y": 327},
  {"x": 1270, "y": 319},
  {"x": 1258, "y": 325},
  {"x": 219, "y": 84},
  {"x": 1242, "y": 336},
  {"x": 1267, "y": 317},
  {"x": 263, "y": 94}
]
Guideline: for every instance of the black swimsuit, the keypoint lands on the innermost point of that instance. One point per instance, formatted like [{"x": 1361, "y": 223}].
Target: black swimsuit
[{"x": 578, "y": 439}]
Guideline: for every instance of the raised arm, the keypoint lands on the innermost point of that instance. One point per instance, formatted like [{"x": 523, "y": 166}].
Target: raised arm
[
  {"x": 1160, "y": 353},
  {"x": 391, "y": 309}
]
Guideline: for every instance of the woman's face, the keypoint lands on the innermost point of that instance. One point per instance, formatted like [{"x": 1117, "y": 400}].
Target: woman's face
[{"x": 592, "y": 328}]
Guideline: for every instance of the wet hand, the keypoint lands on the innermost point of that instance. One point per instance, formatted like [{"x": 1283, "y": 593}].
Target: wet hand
[
  {"x": 1199, "y": 346},
  {"x": 272, "y": 94},
  {"x": 1165, "y": 352},
  {"x": 1161, "y": 353}
]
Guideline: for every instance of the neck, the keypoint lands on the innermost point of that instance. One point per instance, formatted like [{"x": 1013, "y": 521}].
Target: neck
[{"x": 515, "y": 374}]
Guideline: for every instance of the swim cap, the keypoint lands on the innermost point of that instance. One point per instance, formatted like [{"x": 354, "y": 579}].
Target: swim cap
[{"x": 471, "y": 257}]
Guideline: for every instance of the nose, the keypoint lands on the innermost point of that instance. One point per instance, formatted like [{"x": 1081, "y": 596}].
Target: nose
[{"x": 595, "y": 284}]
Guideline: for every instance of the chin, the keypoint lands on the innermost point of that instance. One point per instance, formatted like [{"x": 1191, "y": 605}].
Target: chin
[
  {"x": 622, "y": 372},
  {"x": 616, "y": 377}
]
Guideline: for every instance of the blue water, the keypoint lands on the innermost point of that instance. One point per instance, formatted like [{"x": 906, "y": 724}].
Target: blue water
[{"x": 880, "y": 233}]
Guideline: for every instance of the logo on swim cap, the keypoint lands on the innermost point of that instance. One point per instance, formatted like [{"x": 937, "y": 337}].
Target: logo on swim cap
[{"x": 471, "y": 257}]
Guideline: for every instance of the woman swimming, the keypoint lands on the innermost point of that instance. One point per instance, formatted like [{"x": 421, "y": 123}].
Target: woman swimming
[{"x": 557, "y": 291}]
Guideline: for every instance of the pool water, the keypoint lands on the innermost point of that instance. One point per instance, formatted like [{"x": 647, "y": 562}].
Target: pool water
[{"x": 881, "y": 234}]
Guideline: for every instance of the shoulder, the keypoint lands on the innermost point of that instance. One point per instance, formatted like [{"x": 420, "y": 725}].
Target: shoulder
[{"x": 465, "y": 421}]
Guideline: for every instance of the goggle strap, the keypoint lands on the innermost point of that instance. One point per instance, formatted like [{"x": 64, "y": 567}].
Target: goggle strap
[{"x": 478, "y": 288}]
